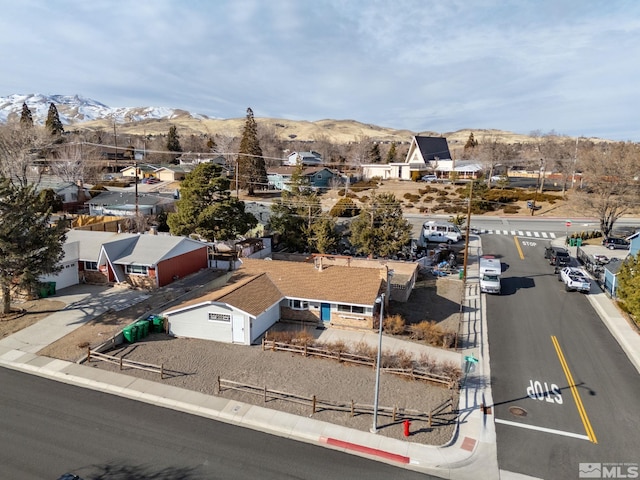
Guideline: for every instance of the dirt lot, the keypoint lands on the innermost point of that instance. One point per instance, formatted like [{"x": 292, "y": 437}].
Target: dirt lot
[{"x": 26, "y": 314}]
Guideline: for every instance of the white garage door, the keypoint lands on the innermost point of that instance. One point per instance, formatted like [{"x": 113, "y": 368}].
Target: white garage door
[{"x": 65, "y": 278}]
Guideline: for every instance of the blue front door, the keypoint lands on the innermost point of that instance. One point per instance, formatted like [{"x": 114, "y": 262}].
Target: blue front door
[{"x": 325, "y": 312}]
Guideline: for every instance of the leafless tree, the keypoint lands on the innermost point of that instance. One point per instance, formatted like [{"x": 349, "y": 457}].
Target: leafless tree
[
  {"x": 611, "y": 189},
  {"x": 76, "y": 162},
  {"x": 21, "y": 158},
  {"x": 492, "y": 153}
]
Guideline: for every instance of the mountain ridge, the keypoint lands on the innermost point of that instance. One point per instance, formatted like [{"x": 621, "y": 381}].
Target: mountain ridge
[{"x": 80, "y": 113}]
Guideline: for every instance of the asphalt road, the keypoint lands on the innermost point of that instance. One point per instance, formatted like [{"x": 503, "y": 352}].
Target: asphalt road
[
  {"x": 541, "y": 337},
  {"x": 49, "y": 428}
]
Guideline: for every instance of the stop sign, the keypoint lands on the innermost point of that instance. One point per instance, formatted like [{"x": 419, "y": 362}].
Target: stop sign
[{"x": 568, "y": 223}]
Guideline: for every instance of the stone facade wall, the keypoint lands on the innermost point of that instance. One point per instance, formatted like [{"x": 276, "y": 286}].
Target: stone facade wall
[
  {"x": 351, "y": 320},
  {"x": 288, "y": 314}
]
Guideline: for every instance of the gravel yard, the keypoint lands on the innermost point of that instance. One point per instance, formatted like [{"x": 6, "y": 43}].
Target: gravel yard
[{"x": 196, "y": 364}]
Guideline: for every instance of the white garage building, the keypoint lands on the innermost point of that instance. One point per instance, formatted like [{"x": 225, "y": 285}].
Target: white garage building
[
  {"x": 238, "y": 313},
  {"x": 68, "y": 276}
]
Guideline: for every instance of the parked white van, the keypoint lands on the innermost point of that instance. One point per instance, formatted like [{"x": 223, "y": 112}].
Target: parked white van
[
  {"x": 441, "y": 232},
  {"x": 490, "y": 271}
]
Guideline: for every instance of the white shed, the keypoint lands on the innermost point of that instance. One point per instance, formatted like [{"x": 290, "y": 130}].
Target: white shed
[{"x": 227, "y": 315}]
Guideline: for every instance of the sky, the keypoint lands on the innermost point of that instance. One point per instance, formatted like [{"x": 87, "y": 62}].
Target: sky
[{"x": 549, "y": 66}]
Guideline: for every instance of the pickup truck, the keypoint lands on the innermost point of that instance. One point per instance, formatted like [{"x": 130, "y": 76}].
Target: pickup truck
[{"x": 574, "y": 280}]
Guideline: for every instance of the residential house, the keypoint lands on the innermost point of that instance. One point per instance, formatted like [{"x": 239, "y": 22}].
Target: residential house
[
  {"x": 141, "y": 170},
  {"x": 146, "y": 261},
  {"x": 424, "y": 155},
  {"x": 315, "y": 177},
  {"x": 305, "y": 158},
  {"x": 73, "y": 195},
  {"x": 263, "y": 292},
  {"x": 172, "y": 173},
  {"x": 197, "y": 158},
  {"x": 634, "y": 243},
  {"x": 127, "y": 203},
  {"x": 611, "y": 270}
]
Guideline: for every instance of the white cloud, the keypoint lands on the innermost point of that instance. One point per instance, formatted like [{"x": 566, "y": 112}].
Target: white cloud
[{"x": 415, "y": 64}]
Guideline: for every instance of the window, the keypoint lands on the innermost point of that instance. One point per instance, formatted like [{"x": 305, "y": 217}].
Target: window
[
  {"x": 91, "y": 265},
  {"x": 219, "y": 317},
  {"x": 298, "y": 304},
  {"x": 136, "y": 269},
  {"x": 350, "y": 309}
]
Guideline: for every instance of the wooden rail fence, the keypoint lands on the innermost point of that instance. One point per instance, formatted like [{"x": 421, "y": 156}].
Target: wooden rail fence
[
  {"x": 123, "y": 362},
  {"x": 306, "y": 350},
  {"x": 316, "y": 405}
]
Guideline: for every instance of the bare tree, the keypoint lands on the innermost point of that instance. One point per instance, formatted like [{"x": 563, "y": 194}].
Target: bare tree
[
  {"x": 492, "y": 153},
  {"x": 359, "y": 150},
  {"x": 76, "y": 162},
  {"x": 21, "y": 153},
  {"x": 610, "y": 190}
]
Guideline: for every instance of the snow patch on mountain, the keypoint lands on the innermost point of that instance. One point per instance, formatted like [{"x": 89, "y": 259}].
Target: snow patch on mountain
[{"x": 77, "y": 109}]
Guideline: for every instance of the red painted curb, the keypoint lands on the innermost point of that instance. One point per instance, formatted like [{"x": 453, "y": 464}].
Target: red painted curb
[{"x": 368, "y": 450}]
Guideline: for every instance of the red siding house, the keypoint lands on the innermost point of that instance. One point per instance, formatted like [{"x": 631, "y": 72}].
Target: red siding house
[{"x": 146, "y": 261}]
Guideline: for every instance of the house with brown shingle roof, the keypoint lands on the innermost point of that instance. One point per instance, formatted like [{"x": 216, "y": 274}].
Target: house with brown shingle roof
[{"x": 263, "y": 292}]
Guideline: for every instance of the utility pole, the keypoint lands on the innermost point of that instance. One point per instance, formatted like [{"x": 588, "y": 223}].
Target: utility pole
[
  {"x": 466, "y": 238},
  {"x": 237, "y": 178}
]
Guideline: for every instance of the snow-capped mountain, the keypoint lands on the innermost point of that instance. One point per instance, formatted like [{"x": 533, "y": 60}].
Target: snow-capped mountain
[{"x": 75, "y": 109}]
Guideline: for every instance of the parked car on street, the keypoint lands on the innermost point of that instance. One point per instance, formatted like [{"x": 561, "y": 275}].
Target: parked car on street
[
  {"x": 557, "y": 256},
  {"x": 574, "y": 279},
  {"x": 430, "y": 178},
  {"x": 613, "y": 243}
]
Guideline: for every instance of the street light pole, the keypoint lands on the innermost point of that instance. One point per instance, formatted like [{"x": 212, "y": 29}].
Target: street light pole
[{"x": 374, "y": 428}]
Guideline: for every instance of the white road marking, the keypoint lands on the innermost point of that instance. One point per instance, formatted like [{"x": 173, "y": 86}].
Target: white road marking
[
  {"x": 542, "y": 429},
  {"x": 536, "y": 234},
  {"x": 544, "y": 235},
  {"x": 528, "y": 234}
]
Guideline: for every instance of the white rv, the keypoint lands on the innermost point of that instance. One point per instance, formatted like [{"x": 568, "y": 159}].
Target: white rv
[
  {"x": 490, "y": 271},
  {"x": 441, "y": 232}
]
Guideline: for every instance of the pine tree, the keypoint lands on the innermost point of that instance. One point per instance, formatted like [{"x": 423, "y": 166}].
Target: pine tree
[
  {"x": 30, "y": 246},
  {"x": 628, "y": 289},
  {"x": 471, "y": 142},
  {"x": 207, "y": 209},
  {"x": 381, "y": 229},
  {"x": 252, "y": 171},
  {"x": 173, "y": 142},
  {"x": 374, "y": 154},
  {"x": 53, "y": 123},
  {"x": 294, "y": 215},
  {"x": 392, "y": 153},
  {"x": 26, "y": 119}
]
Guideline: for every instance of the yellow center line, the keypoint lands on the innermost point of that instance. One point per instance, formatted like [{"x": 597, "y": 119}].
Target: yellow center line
[
  {"x": 515, "y": 239},
  {"x": 574, "y": 391}
]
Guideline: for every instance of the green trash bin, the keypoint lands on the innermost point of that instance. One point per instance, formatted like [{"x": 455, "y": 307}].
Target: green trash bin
[
  {"x": 461, "y": 274},
  {"x": 143, "y": 328},
  {"x": 44, "y": 291},
  {"x": 158, "y": 324},
  {"x": 130, "y": 333},
  {"x": 578, "y": 242},
  {"x": 52, "y": 288},
  {"x": 572, "y": 242}
]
